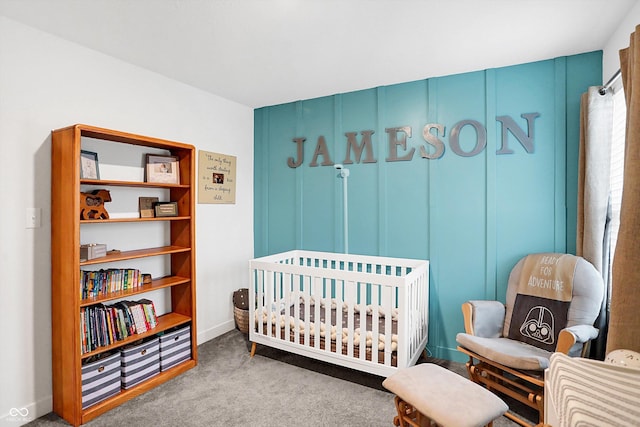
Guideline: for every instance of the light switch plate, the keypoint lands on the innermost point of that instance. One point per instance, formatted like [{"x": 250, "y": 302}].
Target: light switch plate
[{"x": 33, "y": 218}]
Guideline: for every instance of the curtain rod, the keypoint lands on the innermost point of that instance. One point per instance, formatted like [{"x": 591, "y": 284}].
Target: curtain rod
[{"x": 607, "y": 86}]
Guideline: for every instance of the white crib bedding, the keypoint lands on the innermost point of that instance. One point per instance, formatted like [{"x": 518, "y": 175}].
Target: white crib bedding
[{"x": 337, "y": 331}]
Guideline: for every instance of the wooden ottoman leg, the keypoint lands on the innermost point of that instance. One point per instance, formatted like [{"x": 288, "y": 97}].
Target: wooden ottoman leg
[
  {"x": 408, "y": 416},
  {"x": 397, "y": 420}
]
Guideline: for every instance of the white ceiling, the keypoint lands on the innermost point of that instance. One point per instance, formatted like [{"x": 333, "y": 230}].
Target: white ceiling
[{"x": 266, "y": 52}]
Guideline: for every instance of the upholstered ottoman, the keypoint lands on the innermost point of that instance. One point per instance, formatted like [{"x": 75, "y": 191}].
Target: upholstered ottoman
[{"x": 428, "y": 392}]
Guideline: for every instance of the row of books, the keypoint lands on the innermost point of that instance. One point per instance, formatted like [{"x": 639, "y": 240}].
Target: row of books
[
  {"x": 102, "y": 325},
  {"x": 96, "y": 283}
]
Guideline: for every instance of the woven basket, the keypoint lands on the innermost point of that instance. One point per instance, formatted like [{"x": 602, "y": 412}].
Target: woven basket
[
  {"x": 241, "y": 309},
  {"x": 242, "y": 319}
]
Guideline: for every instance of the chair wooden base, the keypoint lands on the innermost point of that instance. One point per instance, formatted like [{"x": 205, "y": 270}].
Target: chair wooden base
[
  {"x": 408, "y": 416},
  {"x": 524, "y": 386}
]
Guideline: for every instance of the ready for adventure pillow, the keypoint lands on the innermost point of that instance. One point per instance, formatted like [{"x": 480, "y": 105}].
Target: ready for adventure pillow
[{"x": 544, "y": 292}]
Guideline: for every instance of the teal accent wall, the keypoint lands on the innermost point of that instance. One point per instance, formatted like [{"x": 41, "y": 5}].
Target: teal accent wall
[{"x": 472, "y": 217}]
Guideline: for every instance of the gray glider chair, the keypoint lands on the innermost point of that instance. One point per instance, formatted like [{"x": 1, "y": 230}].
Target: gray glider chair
[{"x": 552, "y": 302}]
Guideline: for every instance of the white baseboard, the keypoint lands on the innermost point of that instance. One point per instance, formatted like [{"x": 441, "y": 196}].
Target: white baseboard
[
  {"x": 216, "y": 331},
  {"x": 21, "y": 415}
]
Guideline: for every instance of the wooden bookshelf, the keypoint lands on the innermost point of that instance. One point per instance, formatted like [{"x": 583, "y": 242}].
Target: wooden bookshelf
[{"x": 66, "y": 225}]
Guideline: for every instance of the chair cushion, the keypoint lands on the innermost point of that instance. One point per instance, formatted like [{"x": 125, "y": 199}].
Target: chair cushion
[
  {"x": 444, "y": 396},
  {"x": 586, "y": 288},
  {"x": 488, "y": 318},
  {"x": 507, "y": 352},
  {"x": 544, "y": 294}
]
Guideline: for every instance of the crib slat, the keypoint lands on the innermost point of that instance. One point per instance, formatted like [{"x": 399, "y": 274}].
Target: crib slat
[
  {"x": 317, "y": 296},
  {"x": 403, "y": 320},
  {"x": 306, "y": 292},
  {"x": 269, "y": 301},
  {"x": 288, "y": 286},
  {"x": 261, "y": 300},
  {"x": 327, "y": 317},
  {"x": 350, "y": 293},
  {"x": 340, "y": 307},
  {"x": 386, "y": 304},
  {"x": 362, "y": 303},
  {"x": 375, "y": 316},
  {"x": 296, "y": 308}
]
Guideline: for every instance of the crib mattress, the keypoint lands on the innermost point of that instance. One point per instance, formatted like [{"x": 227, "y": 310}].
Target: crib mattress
[{"x": 345, "y": 314}]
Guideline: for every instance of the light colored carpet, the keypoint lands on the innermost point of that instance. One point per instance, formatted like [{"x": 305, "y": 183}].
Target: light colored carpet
[{"x": 275, "y": 388}]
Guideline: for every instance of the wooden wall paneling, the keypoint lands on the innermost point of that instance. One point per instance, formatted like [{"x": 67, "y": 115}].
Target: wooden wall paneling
[{"x": 472, "y": 217}]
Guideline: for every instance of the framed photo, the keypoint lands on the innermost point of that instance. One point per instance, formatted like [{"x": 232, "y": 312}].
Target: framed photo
[
  {"x": 166, "y": 209},
  {"x": 164, "y": 169},
  {"x": 89, "y": 165},
  {"x": 147, "y": 206},
  {"x": 218, "y": 178}
]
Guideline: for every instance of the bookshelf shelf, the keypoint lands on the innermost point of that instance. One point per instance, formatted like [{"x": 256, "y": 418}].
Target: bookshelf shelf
[
  {"x": 112, "y": 220},
  {"x": 112, "y": 183},
  {"x": 177, "y": 260},
  {"x": 139, "y": 253},
  {"x": 161, "y": 283}
]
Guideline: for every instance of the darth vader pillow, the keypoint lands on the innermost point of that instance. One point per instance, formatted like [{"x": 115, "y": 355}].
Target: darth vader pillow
[{"x": 538, "y": 321}]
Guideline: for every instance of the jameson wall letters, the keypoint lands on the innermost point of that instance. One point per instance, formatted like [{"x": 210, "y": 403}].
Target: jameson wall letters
[{"x": 431, "y": 147}]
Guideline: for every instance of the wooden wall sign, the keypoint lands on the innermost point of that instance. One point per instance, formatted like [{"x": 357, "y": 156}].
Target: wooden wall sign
[{"x": 216, "y": 178}]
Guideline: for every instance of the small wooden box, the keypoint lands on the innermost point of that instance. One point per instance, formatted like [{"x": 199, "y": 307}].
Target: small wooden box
[
  {"x": 100, "y": 380},
  {"x": 91, "y": 251},
  {"x": 139, "y": 362},
  {"x": 175, "y": 347}
]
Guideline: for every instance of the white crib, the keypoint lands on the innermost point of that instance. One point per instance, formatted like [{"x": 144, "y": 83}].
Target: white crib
[{"x": 331, "y": 306}]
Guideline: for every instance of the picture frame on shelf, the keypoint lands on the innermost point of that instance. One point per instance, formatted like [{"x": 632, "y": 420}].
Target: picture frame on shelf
[
  {"x": 166, "y": 209},
  {"x": 162, "y": 169},
  {"x": 146, "y": 205},
  {"x": 89, "y": 165}
]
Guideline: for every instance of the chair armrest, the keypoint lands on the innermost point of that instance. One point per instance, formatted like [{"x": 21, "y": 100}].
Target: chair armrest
[
  {"x": 483, "y": 318},
  {"x": 578, "y": 334}
]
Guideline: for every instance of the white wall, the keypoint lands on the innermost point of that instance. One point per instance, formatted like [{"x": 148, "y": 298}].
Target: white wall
[
  {"x": 47, "y": 83},
  {"x": 619, "y": 40}
]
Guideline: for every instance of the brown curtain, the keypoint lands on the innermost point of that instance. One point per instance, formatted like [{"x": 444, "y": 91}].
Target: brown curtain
[
  {"x": 594, "y": 178},
  {"x": 624, "y": 325}
]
